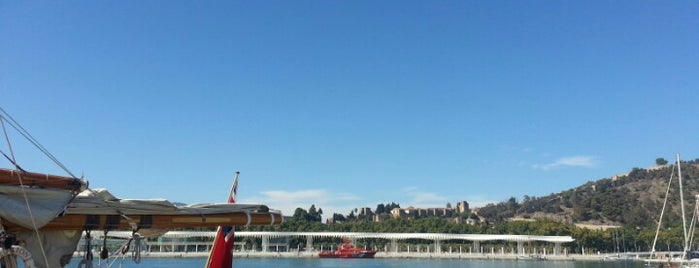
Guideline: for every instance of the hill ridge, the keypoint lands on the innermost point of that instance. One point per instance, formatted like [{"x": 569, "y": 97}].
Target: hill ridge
[{"x": 634, "y": 198}]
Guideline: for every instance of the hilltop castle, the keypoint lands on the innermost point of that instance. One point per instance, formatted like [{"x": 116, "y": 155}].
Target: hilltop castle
[{"x": 413, "y": 212}]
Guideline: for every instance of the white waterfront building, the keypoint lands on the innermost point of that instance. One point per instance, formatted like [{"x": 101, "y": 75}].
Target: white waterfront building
[{"x": 200, "y": 241}]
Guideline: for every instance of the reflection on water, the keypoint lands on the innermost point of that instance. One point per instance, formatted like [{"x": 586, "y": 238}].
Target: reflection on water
[{"x": 366, "y": 263}]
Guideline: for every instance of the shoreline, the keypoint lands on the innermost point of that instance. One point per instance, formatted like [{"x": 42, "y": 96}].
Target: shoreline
[{"x": 403, "y": 255}]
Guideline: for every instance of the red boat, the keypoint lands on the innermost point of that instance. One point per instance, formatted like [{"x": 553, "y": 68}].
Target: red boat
[{"x": 347, "y": 250}]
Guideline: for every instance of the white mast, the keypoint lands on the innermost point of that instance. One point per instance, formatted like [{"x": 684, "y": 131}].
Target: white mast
[
  {"x": 693, "y": 223},
  {"x": 684, "y": 220},
  {"x": 662, "y": 212}
]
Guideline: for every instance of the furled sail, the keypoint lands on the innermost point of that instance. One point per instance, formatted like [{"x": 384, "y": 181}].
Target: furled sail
[
  {"x": 99, "y": 209},
  {"x": 44, "y": 205},
  {"x": 26, "y": 195}
]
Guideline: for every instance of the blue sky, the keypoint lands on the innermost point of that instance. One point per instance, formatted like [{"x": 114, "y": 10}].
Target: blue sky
[{"x": 346, "y": 104}]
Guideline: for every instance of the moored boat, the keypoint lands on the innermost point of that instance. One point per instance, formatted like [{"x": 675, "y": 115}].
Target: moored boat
[
  {"x": 43, "y": 216},
  {"x": 347, "y": 250}
]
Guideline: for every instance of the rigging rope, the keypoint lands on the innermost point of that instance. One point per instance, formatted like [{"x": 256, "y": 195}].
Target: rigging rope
[
  {"x": 136, "y": 253},
  {"x": 116, "y": 255},
  {"x": 14, "y": 124},
  {"x": 104, "y": 253},
  {"x": 24, "y": 193},
  {"x": 692, "y": 225},
  {"x": 121, "y": 251},
  {"x": 660, "y": 221},
  {"x": 87, "y": 258},
  {"x": 11, "y": 161},
  {"x": 7, "y": 242},
  {"x": 135, "y": 239}
]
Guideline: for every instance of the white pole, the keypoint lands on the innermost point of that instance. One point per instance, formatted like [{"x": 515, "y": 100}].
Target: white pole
[{"x": 684, "y": 220}]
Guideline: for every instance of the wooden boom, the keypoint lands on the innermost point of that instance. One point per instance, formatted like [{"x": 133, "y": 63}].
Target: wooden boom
[
  {"x": 116, "y": 222},
  {"x": 31, "y": 179}
]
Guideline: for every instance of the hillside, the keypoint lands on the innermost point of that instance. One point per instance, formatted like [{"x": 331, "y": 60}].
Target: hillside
[{"x": 633, "y": 199}]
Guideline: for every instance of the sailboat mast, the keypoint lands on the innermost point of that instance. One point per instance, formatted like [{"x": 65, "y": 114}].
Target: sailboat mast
[
  {"x": 684, "y": 220},
  {"x": 662, "y": 212}
]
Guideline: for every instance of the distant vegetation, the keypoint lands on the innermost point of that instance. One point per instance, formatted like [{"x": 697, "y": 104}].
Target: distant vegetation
[
  {"x": 634, "y": 199},
  {"x": 631, "y": 201}
]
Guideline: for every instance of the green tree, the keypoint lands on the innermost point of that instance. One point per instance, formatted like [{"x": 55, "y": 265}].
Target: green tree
[
  {"x": 391, "y": 206},
  {"x": 380, "y": 209},
  {"x": 338, "y": 217},
  {"x": 314, "y": 215},
  {"x": 300, "y": 214}
]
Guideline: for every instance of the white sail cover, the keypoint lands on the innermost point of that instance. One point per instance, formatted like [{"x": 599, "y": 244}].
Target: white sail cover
[
  {"x": 59, "y": 247},
  {"x": 44, "y": 205},
  {"x": 101, "y": 202}
]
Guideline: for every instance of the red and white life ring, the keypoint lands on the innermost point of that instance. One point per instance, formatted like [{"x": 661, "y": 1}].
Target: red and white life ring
[{"x": 21, "y": 252}]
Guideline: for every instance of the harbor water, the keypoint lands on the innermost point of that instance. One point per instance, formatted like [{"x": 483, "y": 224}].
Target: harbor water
[{"x": 365, "y": 263}]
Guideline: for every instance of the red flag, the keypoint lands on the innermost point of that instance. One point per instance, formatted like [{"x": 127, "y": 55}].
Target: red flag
[{"x": 221, "y": 255}]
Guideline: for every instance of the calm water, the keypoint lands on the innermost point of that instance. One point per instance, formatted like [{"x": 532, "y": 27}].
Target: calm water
[{"x": 367, "y": 263}]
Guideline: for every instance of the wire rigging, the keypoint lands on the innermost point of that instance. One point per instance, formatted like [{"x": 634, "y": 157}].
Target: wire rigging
[
  {"x": 14, "y": 124},
  {"x": 662, "y": 212},
  {"x": 24, "y": 193}
]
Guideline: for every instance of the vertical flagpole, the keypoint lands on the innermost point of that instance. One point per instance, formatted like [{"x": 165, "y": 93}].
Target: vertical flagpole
[
  {"x": 221, "y": 254},
  {"x": 234, "y": 188},
  {"x": 231, "y": 199}
]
